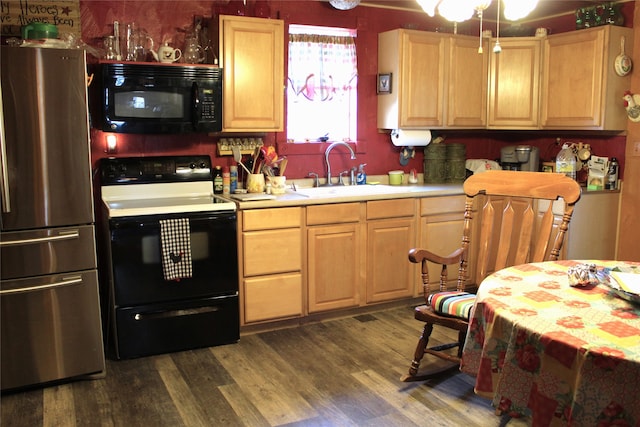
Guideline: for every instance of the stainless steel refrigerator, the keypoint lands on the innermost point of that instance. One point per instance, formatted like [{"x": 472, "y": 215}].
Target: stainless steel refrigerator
[{"x": 49, "y": 305}]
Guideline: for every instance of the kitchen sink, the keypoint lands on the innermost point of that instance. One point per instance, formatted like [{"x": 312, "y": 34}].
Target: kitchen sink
[{"x": 352, "y": 190}]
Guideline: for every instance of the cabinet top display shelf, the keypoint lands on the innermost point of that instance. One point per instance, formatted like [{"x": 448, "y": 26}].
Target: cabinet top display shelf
[{"x": 160, "y": 64}]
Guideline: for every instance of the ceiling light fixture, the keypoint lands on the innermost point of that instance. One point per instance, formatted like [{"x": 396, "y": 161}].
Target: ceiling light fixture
[
  {"x": 462, "y": 10},
  {"x": 480, "y": 7},
  {"x": 497, "y": 48}
]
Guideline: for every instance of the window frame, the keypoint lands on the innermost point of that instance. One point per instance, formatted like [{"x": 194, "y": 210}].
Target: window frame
[{"x": 284, "y": 146}]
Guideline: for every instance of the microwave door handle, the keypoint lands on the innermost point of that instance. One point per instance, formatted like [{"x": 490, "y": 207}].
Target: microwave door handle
[{"x": 195, "y": 105}]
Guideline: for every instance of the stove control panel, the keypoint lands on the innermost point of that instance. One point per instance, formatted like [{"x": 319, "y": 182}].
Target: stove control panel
[{"x": 141, "y": 170}]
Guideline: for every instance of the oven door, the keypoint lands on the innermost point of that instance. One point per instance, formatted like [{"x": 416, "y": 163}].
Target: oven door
[{"x": 136, "y": 262}]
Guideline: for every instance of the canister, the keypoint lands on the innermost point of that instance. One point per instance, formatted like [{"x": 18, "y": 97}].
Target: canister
[
  {"x": 435, "y": 158},
  {"x": 456, "y": 158}
]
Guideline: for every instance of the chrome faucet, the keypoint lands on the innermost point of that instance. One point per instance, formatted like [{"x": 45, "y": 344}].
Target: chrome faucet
[{"x": 326, "y": 158}]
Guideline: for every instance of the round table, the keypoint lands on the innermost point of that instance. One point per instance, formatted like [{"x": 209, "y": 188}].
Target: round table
[{"x": 562, "y": 355}]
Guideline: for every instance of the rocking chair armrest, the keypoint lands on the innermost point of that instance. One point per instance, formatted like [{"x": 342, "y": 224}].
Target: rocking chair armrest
[{"x": 417, "y": 255}]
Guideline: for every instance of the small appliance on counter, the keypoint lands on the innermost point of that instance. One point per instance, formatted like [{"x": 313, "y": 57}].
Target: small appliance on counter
[{"x": 520, "y": 158}]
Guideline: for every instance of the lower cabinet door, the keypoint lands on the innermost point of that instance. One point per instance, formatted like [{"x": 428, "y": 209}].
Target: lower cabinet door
[
  {"x": 272, "y": 297},
  {"x": 389, "y": 272},
  {"x": 335, "y": 266}
]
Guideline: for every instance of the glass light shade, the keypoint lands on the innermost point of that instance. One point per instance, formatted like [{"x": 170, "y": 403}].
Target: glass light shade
[
  {"x": 480, "y": 5},
  {"x": 455, "y": 10},
  {"x": 517, "y": 9},
  {"x": 429, "y": 6}
]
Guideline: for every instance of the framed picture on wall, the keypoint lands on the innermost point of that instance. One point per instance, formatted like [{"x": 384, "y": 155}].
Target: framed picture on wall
[{"x": 384, "y": 83}]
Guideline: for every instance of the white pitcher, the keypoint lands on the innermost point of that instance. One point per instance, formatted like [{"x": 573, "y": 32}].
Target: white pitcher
[{"x": 168, "y": 54}]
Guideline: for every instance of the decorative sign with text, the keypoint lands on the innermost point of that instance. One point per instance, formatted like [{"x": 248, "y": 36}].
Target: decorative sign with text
[{"x": 14, "y": 14}]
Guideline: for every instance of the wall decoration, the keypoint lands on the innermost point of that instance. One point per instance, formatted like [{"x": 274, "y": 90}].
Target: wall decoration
[
  {"x": 384, "y": 83},
  {"x": 65, "y": 14}
]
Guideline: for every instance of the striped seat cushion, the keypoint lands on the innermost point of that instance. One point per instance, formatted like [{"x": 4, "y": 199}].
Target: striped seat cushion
[{"x": 454, "y": 304}]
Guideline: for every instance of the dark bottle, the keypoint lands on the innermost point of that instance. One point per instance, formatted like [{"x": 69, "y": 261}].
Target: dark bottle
[
  {"x": 217, "y": 180},
  {"x": 612, "y": 175}
]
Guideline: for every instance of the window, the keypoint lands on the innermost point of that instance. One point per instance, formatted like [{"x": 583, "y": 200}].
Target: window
[{"x": 322, "y": 84}]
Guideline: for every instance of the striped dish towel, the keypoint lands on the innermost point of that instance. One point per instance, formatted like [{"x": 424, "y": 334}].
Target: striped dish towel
[{"x": 176, "y": 248}]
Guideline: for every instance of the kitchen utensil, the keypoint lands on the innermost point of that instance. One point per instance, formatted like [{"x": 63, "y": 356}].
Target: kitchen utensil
[
  {"x": 256, "y": 156},
  {"x": 237, "y": 156},
  {"x": 283, "y": 165},
  {"x": 623, "y": 63}
]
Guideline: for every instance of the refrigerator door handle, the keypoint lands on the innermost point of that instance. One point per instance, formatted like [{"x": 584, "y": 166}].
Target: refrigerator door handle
[
  {"x": 63, "y": 235},
  {"x": 4, "y": 174},
  {"x": 66, "y": 281}
]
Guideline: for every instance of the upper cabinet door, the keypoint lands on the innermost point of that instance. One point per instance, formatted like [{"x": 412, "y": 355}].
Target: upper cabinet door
[
  {"x": 467, "y": 83},
  {"x": 415, "y": 60},
  {"x": 252, "y": 58},
  {"x": 514, "y": 84},
  {"x": 580, "y": 89}
]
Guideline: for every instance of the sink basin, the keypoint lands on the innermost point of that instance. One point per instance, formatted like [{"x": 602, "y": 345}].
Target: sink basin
[{"x": 351, "y": 190}]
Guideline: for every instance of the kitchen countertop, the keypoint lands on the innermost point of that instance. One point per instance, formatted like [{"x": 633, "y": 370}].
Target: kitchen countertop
[{"x": 305, "y": 196}]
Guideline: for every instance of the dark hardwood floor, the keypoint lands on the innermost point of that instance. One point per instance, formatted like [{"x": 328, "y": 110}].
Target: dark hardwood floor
[{"x": 342, "y": 372}]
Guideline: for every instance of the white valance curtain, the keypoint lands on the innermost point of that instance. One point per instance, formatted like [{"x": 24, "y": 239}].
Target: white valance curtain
[{"x": 326, "y": 66}]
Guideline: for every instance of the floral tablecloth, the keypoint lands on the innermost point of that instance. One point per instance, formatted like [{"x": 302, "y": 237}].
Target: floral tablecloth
[{"x": 559, "y": 354}]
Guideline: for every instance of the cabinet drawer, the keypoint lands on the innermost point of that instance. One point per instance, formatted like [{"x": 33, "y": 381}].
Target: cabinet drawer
[
  {"x": 272, "y": 251},
  {"x": 391, "y": 208},
  {"x": 442, "y": 205},
  {"x": 333, "y": 214},
  {"x": 272, "y": 297},
  {"x": 268, "y": 219}
]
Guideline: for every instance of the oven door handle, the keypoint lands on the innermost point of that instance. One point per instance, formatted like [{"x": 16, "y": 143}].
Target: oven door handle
[
  {"x": 195, "y": 105},
  {"x": 174, "y": 313}
]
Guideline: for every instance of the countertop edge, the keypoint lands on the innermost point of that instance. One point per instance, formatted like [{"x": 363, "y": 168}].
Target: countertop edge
[{"x": 412, "y": 191}]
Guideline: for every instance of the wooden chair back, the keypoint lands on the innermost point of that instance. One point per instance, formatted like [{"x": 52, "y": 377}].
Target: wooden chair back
[{"x": 513, "y": 218}]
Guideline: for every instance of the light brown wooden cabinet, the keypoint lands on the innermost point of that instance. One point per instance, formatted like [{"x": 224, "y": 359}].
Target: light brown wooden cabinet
[
  {"x": 580, "y": 89},
  {"x": 391, "y": 232},
  {"x": 441, "y": 224},
  {"x": 467, "y": 73},
  {"x": 271, "y": 264},
  {"x": 335, "y": 256},
  {"x": 252, "y": 59},
  {"x": 416, "y": 62},
  {"x": 514, "y": 84},
  {"x": 437, "y": 80},
  {"x": 564, "y": 81}
]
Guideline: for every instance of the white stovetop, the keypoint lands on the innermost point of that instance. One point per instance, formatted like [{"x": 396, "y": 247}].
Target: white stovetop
[{"x": 166, "y": 198}]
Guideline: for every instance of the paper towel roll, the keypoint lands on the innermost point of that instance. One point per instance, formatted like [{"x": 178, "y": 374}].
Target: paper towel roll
[{"x": 410, "y": 137}]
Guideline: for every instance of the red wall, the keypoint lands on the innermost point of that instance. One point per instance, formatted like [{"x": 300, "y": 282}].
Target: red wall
[{"x": 166, "y": 18}]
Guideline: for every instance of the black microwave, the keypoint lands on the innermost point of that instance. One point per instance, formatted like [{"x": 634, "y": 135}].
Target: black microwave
[{"x": 160, "y": 99}]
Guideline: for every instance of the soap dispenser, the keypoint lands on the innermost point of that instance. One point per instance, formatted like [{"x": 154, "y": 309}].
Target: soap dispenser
[{"x": 361, "y": 178}]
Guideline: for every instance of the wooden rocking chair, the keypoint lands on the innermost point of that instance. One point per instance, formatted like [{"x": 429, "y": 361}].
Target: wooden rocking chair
[{"x": 509, "y": 219}]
